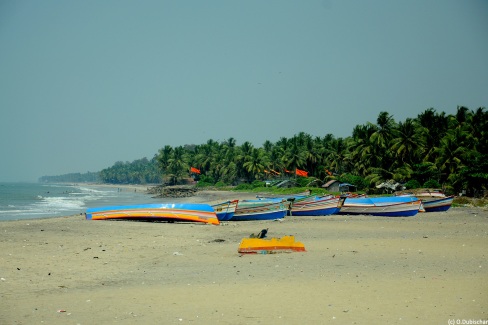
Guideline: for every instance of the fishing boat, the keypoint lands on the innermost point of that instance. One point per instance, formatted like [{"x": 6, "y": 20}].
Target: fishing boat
[
  {"x": 189, "y": 212},
  {"x": 432, "y": 200},
  {"x": 225, "y": 210},
  {"x": 269, "y": 209},
  {"x": 273, "y": 245},
  {"x": 315, "y": 206},
  {"x": 438, "y": 204},
  {"x": 380, "y": 206}
]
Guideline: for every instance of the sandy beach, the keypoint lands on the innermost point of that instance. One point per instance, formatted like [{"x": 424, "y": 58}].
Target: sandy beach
[{"x": 426, "y": 269}]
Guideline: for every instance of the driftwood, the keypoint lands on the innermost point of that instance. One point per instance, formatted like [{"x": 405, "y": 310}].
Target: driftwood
[{"x": 172, "y": 191}]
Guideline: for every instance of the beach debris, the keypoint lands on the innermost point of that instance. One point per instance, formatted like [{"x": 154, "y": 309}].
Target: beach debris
[
  {"x": 218, "y": 240},
  {"x": 61, "y": 311},
  {"x": 261, "y": 234},
  {"x": 177, "y": 254},
  {"x": 270, "y": 246}
]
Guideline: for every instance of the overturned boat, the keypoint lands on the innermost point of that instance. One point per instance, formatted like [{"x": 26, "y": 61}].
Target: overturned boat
[{"x": 189, "y": 212}]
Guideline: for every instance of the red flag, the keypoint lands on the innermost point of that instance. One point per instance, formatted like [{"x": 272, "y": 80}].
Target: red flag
[
  {"x": 301, "y": 173},
  {"x": 194, "y": 170}
]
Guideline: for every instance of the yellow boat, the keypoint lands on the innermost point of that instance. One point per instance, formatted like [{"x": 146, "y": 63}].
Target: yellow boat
[{"x": 273, "y": 245}]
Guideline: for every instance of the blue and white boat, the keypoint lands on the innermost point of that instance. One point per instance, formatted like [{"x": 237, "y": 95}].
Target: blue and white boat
[
  {"x": 269, "y": 209},
  {"x": 432, "y": 200},
  {"x": 437, "y": 204},
  {"x": 380, "y": 206},
  {"x": 225, "y": 210},
  {"x": 315, "y": 206}
]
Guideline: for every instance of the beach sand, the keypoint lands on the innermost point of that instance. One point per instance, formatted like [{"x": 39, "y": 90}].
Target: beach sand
[{"x": 425, "y": 269}]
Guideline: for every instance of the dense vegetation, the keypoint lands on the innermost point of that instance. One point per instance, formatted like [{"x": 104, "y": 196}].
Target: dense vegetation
[
  {"x": 88, "y": 177},
  {"x": 431, "y": 150}
]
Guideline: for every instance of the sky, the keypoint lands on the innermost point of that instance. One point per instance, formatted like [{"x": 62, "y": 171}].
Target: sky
[{"x": 84, "y": 84}]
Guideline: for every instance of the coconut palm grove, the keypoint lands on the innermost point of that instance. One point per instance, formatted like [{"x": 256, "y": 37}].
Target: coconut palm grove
[{"x": 433, "y": 150}]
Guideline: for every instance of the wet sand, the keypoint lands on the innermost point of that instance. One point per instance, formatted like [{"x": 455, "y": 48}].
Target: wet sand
[{"x": 425, "y": 269}]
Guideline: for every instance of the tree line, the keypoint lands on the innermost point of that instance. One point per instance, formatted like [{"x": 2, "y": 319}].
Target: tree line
[{"x": 432, "y": 150}]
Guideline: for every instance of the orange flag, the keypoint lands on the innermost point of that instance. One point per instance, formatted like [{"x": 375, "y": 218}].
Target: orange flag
[
  {"x": 301, "y": 173},
  {"x": 194, "y": 170}
]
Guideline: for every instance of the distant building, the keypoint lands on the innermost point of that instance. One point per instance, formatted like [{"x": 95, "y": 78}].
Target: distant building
[
  {"x": 336, "y": 186},
  {"x": 332, "y": 185}
]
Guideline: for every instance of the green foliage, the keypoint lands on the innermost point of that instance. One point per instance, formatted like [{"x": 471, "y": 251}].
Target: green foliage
[
  {"x": 140, "y": 171},
  {"x": 243, "y": 187},
  {"x": 220, "y": 184},
  {"x": 432, "y": 184},
  {"x": 358, "y": 181},
  {"x": 206, "y": 181},
  {"x": 412, "y": 184},
  {"x": 257, "y": 184},
  {"x": 453, "y": 153},
  {"x": 88, "y": 177},
  {"x": 303, "y": 181}
]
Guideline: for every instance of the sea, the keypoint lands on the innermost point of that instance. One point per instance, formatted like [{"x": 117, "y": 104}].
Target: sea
[{"x": 19, "y": 201}]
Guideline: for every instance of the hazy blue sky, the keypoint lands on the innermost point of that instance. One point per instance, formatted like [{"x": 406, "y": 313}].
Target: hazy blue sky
[{"x": 84, "y": 84}]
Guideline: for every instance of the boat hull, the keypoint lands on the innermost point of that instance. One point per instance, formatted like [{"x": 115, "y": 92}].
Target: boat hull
[
  {"x": 264, "y": 211},
  {"x": 315, "y": 207},
  {"x": 156, "y": 212},
  {"x": 382, "y": 207},
  {"x": 438, "y": 205},
  {"x": 225, "y": 210}
]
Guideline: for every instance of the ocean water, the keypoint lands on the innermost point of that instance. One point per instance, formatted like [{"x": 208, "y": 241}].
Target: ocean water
[{"x": 39, "y": 200}]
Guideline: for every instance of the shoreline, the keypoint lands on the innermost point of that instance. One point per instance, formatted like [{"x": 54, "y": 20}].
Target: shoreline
[{"x": 356, "y": 269}]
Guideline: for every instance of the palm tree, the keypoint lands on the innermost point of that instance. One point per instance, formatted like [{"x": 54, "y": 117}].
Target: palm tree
[
  {"x": 360, "y": 151},
  {"x": 433, "y": 135},
  {"x": 163, "y": 156},
  {"x": 450, "y": 155},
  {"x": 244, "y": 155},
  {"x": 335, "y": 152},
  {"x": 178, "y": 164},
  {"x": 295, "y": 157},
  {"x": 254, "y": 163},
  {"x": 384, "y": 130},
  {"x": 409, "y": 145}
]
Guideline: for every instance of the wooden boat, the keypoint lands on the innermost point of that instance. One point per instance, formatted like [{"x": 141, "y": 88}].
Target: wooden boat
[
  {"x": 437, "y": 204},
  {"x": 380, "y": 206},
  {"x": 225, "y": 210},
  {"x": 190, "y": 212},
  {"x": 432, "y": 200},
  {"x": 315, "y": 206},
  {"x": 261, "y": 210},
  {"x": 273, "y": 245}
]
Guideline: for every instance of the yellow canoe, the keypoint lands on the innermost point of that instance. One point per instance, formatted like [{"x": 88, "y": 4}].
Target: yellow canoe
[{"x": 273, "y": 245}]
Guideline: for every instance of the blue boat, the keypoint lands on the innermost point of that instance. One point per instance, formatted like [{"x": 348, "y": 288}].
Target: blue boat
[
  {"x": 437, "y": 204},
  {"x": 225, "y": 210},
  {"x": 380, "y": 206},
  {"x": 261, "y": 210},
  {"x": 190, "y": 212},
  {"x": 315, "y": 206},
  {"x": 432, "y": 200}
]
